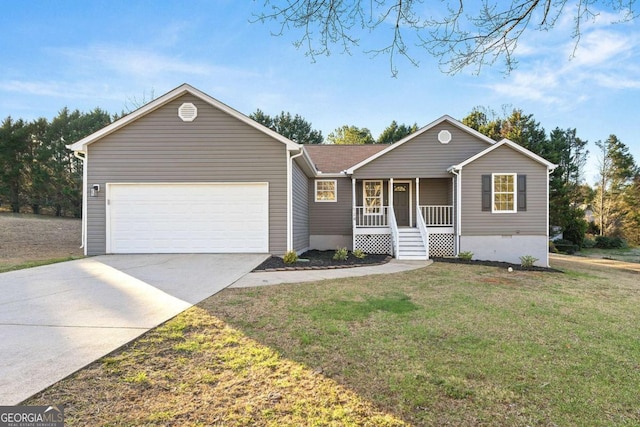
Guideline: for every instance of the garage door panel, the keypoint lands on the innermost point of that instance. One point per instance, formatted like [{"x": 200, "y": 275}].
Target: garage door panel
[{"x": 191, "y": 218}]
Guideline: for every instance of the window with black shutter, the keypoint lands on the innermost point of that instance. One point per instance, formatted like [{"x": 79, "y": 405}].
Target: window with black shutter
[{"x": 504, "y": 192}]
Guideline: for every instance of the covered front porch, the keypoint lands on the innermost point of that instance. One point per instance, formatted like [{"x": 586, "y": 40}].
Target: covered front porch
[{"x": 409, "y": 218}]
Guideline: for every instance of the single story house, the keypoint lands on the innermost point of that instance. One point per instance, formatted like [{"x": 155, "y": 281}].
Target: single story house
[{"x": 188, "y": 174}]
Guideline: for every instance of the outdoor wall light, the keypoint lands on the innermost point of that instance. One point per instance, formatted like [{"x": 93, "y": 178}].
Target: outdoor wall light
[{"x": 95, "y": 189}]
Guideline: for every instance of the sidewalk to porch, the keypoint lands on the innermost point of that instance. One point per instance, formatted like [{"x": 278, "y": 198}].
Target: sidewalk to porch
[{"x": 277, "y": 277}]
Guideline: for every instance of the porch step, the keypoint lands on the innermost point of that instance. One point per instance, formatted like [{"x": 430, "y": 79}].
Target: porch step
[{"x": 411, "y": 246}]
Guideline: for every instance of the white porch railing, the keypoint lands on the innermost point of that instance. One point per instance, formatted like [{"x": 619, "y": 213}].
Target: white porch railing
[
  {"x": 437, "y": 216},
  {"x": 395, "y": 240},
  {"x": 424, "y": 233},
  {"x": 371, "y": 216}
]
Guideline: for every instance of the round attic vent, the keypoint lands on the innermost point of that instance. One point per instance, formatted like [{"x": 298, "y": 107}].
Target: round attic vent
[
  {"x": 444, "y": 136},
  {"x": 188, "y": 112}
]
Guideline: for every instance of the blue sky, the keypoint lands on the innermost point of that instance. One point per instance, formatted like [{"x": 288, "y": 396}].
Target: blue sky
[{"x": 114, "y": 54}]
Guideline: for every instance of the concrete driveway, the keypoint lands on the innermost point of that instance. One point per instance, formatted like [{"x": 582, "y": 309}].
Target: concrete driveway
[{"x": 58, "y": 318}]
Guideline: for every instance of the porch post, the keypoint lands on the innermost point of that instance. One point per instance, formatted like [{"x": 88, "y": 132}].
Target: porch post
[
  {"x": 418, "y": 210},
  {"x": 390, "y": 198}
]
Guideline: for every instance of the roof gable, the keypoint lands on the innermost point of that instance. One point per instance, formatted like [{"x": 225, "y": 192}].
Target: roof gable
[
  {"x": 165, "y": 99},
  {"x": 419, "y": 132},
  {"x": 512, "y": 145}
]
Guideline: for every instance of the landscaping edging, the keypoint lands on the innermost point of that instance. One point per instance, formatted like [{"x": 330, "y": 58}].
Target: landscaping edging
[
  {"x": 324, "y": 267},
  {"x": 498, "y": 264}
]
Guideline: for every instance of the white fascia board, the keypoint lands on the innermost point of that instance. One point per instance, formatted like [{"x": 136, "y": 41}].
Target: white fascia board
[
  {"x": 168, "y": 97},
  {"x": 420, "y": 131},
  {"x": 332, "y": 175},
  {"x": 513, "y": 145},
  {"x": 310, "y": 166}
]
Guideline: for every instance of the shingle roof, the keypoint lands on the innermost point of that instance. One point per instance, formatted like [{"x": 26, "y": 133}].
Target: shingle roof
[{"x": 331, "y": 158}]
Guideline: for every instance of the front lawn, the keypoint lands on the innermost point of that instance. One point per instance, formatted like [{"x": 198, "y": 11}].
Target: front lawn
[{"x": 444, "y": 345}]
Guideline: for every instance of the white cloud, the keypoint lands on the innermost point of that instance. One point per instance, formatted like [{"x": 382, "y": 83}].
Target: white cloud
[
  {"x": 33, "y": 88},
  {"x": 600, "y": 47},
  {"x": 132, "y": 62},
  {"x": 604, "y": 60},
  {"x": 54, "y": 89},
  {"x": 615, "y": 81},
  {"x": 536, "y": 85}
]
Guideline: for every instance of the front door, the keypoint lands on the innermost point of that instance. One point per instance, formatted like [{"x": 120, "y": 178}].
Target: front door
[{"x": 401, "y": 203}]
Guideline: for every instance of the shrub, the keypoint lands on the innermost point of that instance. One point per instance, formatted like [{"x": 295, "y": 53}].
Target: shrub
[
  {"x": 527, "y": 261},
  {"x": 619, "y": 243},
  {"x": 605, "y": 242},
  {"x": 359, "y": 254},
  {"x": 290, "y": 257},
  {"x": 552, "y": 247},
  {"x": 588, "y": 243},
  {"x": 466, "y": 256},
  {"x": 563, "y": 242},
  {"x": 575, "y": 231},
  {"x": 566, "y": 246},
  {"x": 341, "y": 254}
]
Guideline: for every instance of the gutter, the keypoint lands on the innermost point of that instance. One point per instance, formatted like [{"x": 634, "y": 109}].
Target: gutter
[{"x": 290, "y": 199}]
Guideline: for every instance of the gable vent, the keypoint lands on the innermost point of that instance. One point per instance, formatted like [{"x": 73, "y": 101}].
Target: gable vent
[
  {"x": 188, "y": 112},
  {"x": 444, "y": 136}
]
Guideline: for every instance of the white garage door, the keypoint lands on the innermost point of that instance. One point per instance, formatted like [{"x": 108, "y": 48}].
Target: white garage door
[{"x": 188, "y": 218}]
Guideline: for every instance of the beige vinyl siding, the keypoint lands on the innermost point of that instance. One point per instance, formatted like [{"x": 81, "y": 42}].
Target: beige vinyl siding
[
  {"x": 215, "y": 147},
  {"x": 504, "y": 159},
  {"x": 331, "y": 218},
  {"x": 436, "y": 191},
  {"x": 424, "y": 156},
  {"x": 300, "y": 209}
]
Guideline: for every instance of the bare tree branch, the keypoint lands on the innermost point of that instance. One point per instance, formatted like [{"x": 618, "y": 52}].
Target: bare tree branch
[{"x": 484, "y": 34}]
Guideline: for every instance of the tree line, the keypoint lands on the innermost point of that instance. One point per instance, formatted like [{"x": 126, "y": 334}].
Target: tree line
[
  {"x": 38, "y": 173},
  {"x": 301, "y": 131}
]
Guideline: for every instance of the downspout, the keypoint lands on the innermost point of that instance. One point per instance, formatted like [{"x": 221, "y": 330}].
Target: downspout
[
  {"x": 458, "y": 174},
  {"x": 77, "y": 155},
  {"x": 549, "y": 172},
  {"x": 354, "y": 213},
  {"x": 290, "y": 199}
]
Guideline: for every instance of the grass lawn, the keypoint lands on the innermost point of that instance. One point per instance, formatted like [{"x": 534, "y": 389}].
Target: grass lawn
[
  {"x": 626, "y": 254},
  {"x": 445, "y": 345}
]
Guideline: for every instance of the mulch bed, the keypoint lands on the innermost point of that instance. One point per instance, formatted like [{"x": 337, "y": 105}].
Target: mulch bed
[
  {"x": 496, "y": 264},
  {"x": 318, "y": 260}
]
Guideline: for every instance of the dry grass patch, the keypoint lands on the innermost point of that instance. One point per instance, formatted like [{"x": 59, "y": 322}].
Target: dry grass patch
[
  {"x": 196, "y": 370},
  {"x": 30, "y": 240}
]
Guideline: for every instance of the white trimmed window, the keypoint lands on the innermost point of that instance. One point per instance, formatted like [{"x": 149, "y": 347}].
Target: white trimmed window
[
  {"x": 372, "y": 197},
  {"x": 504, "y": 192},
  {"x": 326, "y": 190}
]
